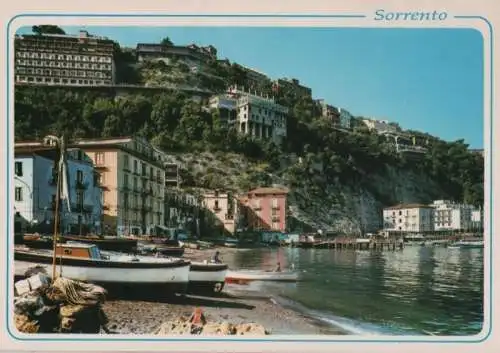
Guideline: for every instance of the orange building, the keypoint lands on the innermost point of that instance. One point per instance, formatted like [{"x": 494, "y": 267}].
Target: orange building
[{"x": 132, "y": 176}]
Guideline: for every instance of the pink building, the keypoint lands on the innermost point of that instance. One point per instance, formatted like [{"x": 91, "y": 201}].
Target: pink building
[{"x": 265, "y": 208}]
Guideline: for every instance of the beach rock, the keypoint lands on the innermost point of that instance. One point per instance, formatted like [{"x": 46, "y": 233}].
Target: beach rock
[
  {"x": 38, "y": 280},
  {"x": 25, "y": 325},
  {"x": 177, "y": 327},
  {"x": 224, "y": 329},
  {"x": 251, "y": 329},
  {"x": 184, "y": 327},
  {"x": 71, "y": 310}
]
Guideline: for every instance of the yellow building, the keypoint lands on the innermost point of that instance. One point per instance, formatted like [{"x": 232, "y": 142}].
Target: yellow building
[
  {"x": 132, "y": 176},
  {"x": 223, "y": 207}
]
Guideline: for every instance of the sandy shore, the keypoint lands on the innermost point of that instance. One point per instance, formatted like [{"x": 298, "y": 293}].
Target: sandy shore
[{"x": 235, "y": 306}]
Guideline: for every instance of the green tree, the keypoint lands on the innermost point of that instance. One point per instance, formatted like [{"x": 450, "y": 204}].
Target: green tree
[{"x": 47, "y": 29}]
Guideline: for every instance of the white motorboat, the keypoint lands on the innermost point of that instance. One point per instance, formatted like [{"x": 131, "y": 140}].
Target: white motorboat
[
  {"x": 464, "y": 244},
  {"x": 247, "y": 276},
  {"x": 206, "y": 276},
  {"x": 85, "y": 262}
]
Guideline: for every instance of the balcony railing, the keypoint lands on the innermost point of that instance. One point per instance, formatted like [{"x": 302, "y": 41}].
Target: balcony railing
[
  {"x": 276, "y": 207},
  {"x": 257, "y": 207}
]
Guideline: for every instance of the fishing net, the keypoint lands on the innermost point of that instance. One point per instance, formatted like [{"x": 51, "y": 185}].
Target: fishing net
[{"x": 79, "y": 293}]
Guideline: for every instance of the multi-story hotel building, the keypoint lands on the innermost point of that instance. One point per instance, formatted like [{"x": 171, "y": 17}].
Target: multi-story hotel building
[
  {"x": 409, "y": 218},
  {"x": 132, "y": 175},
  {"x": 455, "y": 216},
  {"x": 60, "y": 59},
  {"x": 256, "y": 116},
  {"x": 35, "y": 180}
]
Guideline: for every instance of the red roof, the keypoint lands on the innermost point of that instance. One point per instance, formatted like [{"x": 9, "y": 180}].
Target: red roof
[{"x": 268, "y": 191}]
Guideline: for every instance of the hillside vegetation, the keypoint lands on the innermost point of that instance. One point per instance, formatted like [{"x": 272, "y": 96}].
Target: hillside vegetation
[{"x": 338, "y": 179}]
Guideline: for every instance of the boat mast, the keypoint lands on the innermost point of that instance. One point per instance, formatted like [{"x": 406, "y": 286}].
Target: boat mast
[{"x": 60, "y": 154}]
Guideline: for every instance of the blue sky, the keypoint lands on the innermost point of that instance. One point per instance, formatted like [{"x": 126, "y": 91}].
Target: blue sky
[{"x": 425, "y": 79}]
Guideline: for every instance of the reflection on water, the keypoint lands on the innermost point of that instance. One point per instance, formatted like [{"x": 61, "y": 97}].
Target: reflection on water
[{"x": 422, "y": 290}]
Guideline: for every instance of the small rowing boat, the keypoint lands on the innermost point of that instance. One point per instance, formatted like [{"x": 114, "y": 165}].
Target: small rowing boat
[
  {"x": 207, "y": 277},
  {"x": 247, "y": 276}
]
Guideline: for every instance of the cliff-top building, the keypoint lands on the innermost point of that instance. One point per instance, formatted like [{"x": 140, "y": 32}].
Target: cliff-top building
[
  {"x": 294, "y": 85},
  {"x": 259, "y": 116},
  {"x": 192, "y": 55},
  {"x": 338, "y": 116},
  {"x": 61, "y": 59}
]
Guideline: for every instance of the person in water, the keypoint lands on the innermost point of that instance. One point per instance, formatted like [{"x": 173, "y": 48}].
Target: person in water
[
  {"x": 278, "y": 267},
  {"x": 216, "y": 259}
]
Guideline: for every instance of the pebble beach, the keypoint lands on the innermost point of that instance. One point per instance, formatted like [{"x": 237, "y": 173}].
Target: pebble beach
[
  {"x": 141, "y": 317},
  {"x": 234, "y": 304}
]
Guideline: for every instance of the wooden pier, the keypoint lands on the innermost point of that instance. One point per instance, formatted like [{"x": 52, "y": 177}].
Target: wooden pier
[{"x": 353, "y": 244}]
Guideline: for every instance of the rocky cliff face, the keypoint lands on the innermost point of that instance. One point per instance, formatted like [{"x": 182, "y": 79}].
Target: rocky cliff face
[{"x": 313, "y": 203}]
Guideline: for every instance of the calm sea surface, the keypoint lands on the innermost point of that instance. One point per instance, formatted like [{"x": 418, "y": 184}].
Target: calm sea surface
[{"x": 420, "y": 290}]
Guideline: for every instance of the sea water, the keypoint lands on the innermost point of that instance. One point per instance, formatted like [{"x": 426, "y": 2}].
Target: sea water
[{"x": 414, "y": 291}]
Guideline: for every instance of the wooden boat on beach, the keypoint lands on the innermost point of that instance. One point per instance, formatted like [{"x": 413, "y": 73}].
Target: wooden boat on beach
[
  {"x": 174, "y": 251},
  {"x": 85, "y": 262},
  {"x": 127, "y": 245},
  {"x": 247, "y": 276},
  {"x": 207, "y": 277}
]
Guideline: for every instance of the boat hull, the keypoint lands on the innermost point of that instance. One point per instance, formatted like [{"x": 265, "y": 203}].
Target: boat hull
[
  {"x": 118, "y": 244},
  {"x": 207, "y": 277},
  {"x": 244, "y": 277},
  {"x": 133, "y": 278}
]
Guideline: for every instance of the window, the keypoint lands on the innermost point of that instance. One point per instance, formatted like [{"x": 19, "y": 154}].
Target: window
[
  {"x": 79, "y": 176},
  {"x": 216, "y": 205},
  {"x": 99, "y": 158},
  {"x": 126, "y": 161},
  {"x": 19, "y": 168},
  {"x": 125, "y": 180},
  {"x": 135, "y": 166},
  {"x": 19, "y": 194},
  {"x": 79, "y": 199}
]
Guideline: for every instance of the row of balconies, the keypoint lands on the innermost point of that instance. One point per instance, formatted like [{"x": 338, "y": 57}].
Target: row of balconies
[
  {"x": 75, "y": 208},
  {"x": 63, "y": 73},
  {"x": 80, "y": 185},
  {"x": 83, "y": 58},
  {"x": 60, "y": 81},
  {"x": 259, "y": 207},
  {"x": 137, "y": 189},
  {"x": 58, "y": 64},
  {"x": 61, "y": 45}
]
